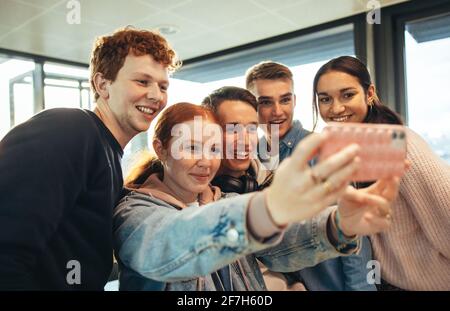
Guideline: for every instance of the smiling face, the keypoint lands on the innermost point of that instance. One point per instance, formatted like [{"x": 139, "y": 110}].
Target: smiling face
[
  {"x": 138, "y": 94},
  {"x": 341, "y": 98},
  {"x": 276, "y": 102},
  {"x": 241, "y": 136},
  {"x": 189, "y": 172}
]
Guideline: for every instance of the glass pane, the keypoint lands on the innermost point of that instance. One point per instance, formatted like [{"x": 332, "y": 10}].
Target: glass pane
[
  {"x": 65, "y": 70},
  {"x": 61, "y": 97},
  {"x": 86, "y": 99},
  {"x": 427, "y": 44},
  {"x": 15, "y": 90},
  {"x": 62, "y": 86},
  {"x": 23, "y": 102}
]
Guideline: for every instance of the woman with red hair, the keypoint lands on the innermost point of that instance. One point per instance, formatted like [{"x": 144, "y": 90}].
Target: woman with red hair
[{"x": 173, "y": 231}]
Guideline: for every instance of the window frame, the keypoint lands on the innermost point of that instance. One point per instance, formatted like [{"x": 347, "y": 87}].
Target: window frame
[
  {"x": 39, "y": 76},
  {"x": 359, "y": 41},
  {"x": 390, "y": 54}
]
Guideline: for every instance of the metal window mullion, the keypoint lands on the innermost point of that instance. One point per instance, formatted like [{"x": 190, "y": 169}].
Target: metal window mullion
[{"x": 38, "y": 87}]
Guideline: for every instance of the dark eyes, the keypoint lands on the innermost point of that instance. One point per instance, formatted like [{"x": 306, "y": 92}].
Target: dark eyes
[
  {"x": 286, "y": 100},
  {"x": 349, "y": 95},
  {"x": 265, "y": 103},
  {"x": 142, "y": 82},
  {"x": 324, "y": 99},
  {"x": 283, "y": 101}
]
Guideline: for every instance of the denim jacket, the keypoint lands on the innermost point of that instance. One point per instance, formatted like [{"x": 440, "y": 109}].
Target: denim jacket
[
  {"x": 162, "y": 248},
  {"x": 286, "y": 145},
  {"x": 342, "y": 273}
]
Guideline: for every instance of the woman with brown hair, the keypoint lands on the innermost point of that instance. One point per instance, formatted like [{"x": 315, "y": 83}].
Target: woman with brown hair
[{"x": 415, "y": 252}]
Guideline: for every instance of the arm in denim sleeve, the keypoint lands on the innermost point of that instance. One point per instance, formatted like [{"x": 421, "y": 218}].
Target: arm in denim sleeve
[
  {"x": 164, "y": 244},
  {"x": 305, "y": 244}
]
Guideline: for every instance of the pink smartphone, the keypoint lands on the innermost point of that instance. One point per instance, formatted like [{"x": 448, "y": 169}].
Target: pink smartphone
[{"x": 383, "y": 148}]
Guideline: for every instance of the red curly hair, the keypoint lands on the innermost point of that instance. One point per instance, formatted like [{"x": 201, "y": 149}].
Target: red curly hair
[{"x": 109, "y": 52}]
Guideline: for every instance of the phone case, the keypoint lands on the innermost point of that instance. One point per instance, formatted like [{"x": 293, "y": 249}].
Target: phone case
[{"x": 383, "y": 148}]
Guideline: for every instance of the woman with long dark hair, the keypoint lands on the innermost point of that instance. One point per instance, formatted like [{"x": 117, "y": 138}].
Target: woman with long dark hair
[{"x": 415, "y": 252}]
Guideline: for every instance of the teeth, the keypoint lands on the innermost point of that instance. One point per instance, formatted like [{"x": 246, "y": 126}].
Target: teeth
[
  {"x": 341, "y": 119},
  {"x": 277, "y": 122},
  {"x": 242, "y": 154},
  {"x": 146, "y": 110}
]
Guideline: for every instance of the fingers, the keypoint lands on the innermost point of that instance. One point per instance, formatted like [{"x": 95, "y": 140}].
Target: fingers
[
  {"x": 387, "y": 188},
  {"x": 391, "y": 189},
  {"x": 307, "y": 148},
  {"x": 353, "y": 195},
  {"x": 333, "y": 197},
  {"x": 336, "y": 161},
  {"x": 382, "y": 205},
  {"x": 363, "y": 199},
  {"x": 336, "y": 181}
]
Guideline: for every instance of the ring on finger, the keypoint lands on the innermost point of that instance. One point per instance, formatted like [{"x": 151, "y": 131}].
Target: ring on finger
[
  {"x": 328, "y": 186},
  {"x": 316, "y": 177}
]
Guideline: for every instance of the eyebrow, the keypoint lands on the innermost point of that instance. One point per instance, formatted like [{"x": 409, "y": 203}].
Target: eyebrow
[
  {"x": 341, "y": 91},
  {"x": 146, "y": 75},
  {"x": 286, "y": 95},
  {"x": 270, "y": 97}
]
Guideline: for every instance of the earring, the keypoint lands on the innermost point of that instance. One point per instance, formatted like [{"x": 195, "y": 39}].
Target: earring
[{"x": 370, "y": 104}]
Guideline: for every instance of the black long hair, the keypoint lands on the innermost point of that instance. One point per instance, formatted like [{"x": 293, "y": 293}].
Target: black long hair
[{"x": 377, "y": 112}]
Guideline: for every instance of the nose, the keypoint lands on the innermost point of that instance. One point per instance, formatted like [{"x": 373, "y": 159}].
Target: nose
[
  {"x": 244, "y": 137},
  {"x": 205, "y": 161},
  {"x": 154, "y": 92},
  {"x": 277, "y": 111},
  {"x": 337, "y": 107}
]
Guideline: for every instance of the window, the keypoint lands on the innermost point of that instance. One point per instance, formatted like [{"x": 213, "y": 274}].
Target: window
[
  {"x": 303, "y": 54},
  {"x": 27, "y": 87},
  {"x": 16, "y": 92},
  {"x": 427, "y": 59},
  {"x": 66, "y": 86},
  {"x": 412, "y": 59}
]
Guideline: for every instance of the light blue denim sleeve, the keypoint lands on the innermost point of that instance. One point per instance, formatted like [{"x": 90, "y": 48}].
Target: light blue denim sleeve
[
  {"x": 167, "y": 245},
  {"x": 355, "y": 268},
  {"x": 304, "y": 244}
]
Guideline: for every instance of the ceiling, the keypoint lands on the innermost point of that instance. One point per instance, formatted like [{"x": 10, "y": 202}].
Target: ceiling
[{"x": 204, "y": 26}]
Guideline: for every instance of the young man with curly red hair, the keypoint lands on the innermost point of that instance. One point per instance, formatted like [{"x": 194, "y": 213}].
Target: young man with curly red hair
[{"x": 61, "y": 174}]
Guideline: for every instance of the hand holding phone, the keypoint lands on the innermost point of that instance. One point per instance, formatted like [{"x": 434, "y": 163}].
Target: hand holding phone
[{"x": 383, "y": 148}]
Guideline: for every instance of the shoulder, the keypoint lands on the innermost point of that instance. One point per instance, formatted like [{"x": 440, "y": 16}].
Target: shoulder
[
  {"x": 135, "y": 202},
  {"x": 422, "y": 158},
  {"x": 62, "y": 117},
  {"x": 300, "y": 131},
  {"x": 417, "y": 147},
  {"x": 58, "y": 123},
  {"x": 136, "y": 209},
  {"x": 51, "y": 132}
]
